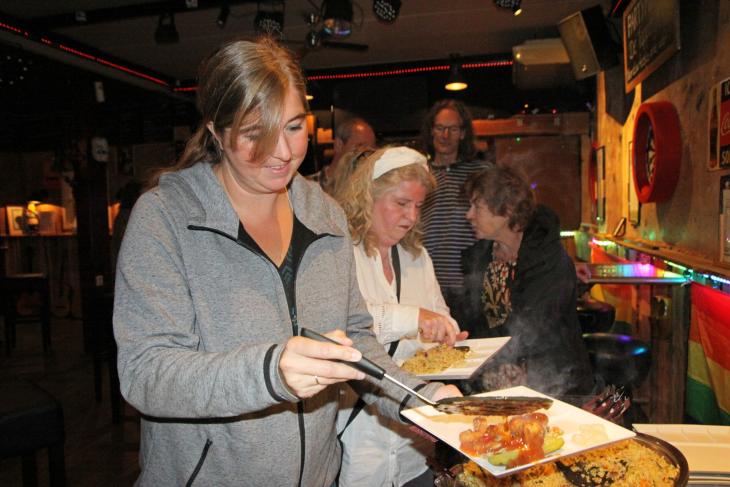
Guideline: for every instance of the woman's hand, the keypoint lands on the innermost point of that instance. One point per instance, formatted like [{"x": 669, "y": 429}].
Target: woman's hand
[
  {"x": 308, "y": 366},
  {"x": 435, "y": 327},
  {"x": 446, "y": 391}
]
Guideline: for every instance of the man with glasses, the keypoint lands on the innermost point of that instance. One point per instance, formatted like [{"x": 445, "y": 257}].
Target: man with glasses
[{"x": 448, "y": 138}]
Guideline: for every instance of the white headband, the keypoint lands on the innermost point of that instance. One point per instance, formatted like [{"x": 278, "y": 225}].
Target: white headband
[{"x": 396, "y": 157}]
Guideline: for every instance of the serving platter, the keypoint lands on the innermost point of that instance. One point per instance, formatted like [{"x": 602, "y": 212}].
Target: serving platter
[
  {"x": 570, "y": 419},
  {"x": 480, "y": 350},
  {"x": 706, "y": 447}
]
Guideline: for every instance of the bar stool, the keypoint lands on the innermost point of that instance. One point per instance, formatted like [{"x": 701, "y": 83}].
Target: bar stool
[
  {"x": 11, "y": 288},
  {"x": 32, "y": 419},
  {"x": 595, "y": 316},
  {"x": 621, "y": 360}
]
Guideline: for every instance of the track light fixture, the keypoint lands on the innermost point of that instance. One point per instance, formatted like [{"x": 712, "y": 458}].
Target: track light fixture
[
  {"x": 337, "y": 17},
  {"x": 386, "y": 10},
  {"x": 456, "y": 81},
  {"x": 270, "y": 22},
  {"x": 514, "y": 5},
  {"x": 166, "y": 33},
  {"x": 223, "y": 16},
  {"x": 314, "y": 39}
]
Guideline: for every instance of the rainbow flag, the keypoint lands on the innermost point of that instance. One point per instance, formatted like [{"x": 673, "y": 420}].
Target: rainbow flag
[{"x": 708, "y": 367}]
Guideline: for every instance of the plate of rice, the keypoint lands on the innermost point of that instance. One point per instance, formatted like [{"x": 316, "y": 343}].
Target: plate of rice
[
  {"x": 641, "y": 461},
  {"x": 432, "y": 361}
]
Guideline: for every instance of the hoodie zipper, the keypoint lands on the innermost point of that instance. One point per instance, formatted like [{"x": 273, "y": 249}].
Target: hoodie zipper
[
  {"x": 199, "y": 465},
  {"x": 292, "y": 317}
]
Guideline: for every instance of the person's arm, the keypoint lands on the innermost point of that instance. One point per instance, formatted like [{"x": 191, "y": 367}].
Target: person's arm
[
  {"x": 393, "y": 321},
  {"x": 389, "y": 398}
]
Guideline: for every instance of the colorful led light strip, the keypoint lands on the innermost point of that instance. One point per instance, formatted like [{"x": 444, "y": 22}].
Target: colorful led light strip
[
  {"x": 602, "y": 243},
  {"x": 721, "y": 280}
]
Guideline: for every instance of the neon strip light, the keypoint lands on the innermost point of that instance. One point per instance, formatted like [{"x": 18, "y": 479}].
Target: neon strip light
[
  {"x": 132, "y": 72},
  {"x": 373, "y": 74},
  {"x": 90, "y": 57},
  {"x": 187, "y": 88},
  {"x": 567, "y": 233},
  {"x": 393, "y": 72},
  {"x": 488, "y": 64},
  {"x": 602, "y": 243},
  {"x": 718, "y": 279},
  {"x": 681, "y": 267},
  {"x": 76, "y": 52},
  {"x": 11, "y": 28}
]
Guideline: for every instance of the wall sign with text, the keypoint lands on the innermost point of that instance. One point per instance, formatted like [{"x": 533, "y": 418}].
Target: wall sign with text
[
  {"x": 719, "y": 156},
  {"x": 651, "y": 36}
]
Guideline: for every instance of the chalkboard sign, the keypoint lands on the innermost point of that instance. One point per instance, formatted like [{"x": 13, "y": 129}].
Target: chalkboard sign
[{"x": 651, "y": 36}]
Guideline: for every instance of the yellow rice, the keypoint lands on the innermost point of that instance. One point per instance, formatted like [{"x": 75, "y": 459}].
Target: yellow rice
[
  {"x": 627, "y": 463},
  {"x": 434, "y": 360}
]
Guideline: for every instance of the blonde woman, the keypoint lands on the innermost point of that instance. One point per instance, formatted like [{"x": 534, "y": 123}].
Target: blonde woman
[{"x": 383, "y": 202}]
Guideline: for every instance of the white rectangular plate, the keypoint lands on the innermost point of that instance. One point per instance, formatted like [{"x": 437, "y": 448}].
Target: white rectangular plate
[
  {"x": 447, "y": 428},
  {"x": 706, "y": 448},
  {"x": 481, "y": 349}
]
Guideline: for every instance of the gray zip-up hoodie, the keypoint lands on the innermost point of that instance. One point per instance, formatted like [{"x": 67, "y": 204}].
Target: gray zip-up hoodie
[{"x": 201, "y": 319}]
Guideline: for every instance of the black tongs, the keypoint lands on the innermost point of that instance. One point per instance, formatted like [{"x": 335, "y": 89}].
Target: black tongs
[{"x": 472, "y": 406}]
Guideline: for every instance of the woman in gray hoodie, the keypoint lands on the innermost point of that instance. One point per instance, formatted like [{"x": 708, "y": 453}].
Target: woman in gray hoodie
[{"x": 223, "y": 261}]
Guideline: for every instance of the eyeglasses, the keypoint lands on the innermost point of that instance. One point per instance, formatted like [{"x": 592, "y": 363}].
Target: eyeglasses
[{"x": 451, "y": 130}]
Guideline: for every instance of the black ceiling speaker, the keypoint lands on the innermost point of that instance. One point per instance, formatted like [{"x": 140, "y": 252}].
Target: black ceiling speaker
[{"x": 588, "y": 42}]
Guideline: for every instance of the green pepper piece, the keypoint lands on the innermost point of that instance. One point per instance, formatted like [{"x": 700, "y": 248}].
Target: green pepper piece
[{"x": 550, "y": 444}]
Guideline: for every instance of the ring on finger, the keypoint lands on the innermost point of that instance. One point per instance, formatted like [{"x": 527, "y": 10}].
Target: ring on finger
[{"x": 316, "y": 379}]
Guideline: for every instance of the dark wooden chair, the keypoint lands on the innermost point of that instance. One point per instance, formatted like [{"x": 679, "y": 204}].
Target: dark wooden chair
[
  {"x": 12, "y": 289},
  {"x": 105, "y": 350},
  {"x": 31, "y": 420}
]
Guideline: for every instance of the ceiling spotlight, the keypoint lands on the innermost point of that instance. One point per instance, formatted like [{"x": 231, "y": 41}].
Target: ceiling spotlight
[
  {"x": 386, "y": 10},
  {"x": 456, "y": 81},
  {"x": 514, "y": 5},
  {"x": 271, "y": 23},
  {"x": 166, "y": 33},
  {"x": 337, "y": 18},
  {"x": 223, "y": 16},
  {"x": 313, "y": 39}
]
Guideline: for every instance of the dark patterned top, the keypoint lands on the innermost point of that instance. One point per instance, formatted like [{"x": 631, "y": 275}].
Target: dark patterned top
[{"x": 496, "y": 298}]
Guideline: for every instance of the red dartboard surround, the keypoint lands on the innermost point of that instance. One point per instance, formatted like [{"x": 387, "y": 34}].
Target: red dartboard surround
[{"x": 656, "y": 134}]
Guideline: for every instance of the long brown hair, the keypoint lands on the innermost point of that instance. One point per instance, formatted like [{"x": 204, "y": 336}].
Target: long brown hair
[
  {"x": 467, "y": 149},
  {"x": 241, "y": 82}
]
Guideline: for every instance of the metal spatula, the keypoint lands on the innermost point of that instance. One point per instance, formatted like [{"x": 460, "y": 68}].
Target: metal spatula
[{"x": 473, "y": 406}]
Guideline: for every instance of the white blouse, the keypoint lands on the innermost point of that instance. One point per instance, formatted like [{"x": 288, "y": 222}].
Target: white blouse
[
  {"x": 393, "y": 320},
  {"x": 377, "y": 451}
]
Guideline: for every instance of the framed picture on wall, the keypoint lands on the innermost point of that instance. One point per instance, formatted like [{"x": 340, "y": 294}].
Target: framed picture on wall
[
  {"x": 634, "y": 204},
  {"x": 725, "y": 218},
  {"x": 719, "y": 135},
  {"x": 15, "y": 221}
]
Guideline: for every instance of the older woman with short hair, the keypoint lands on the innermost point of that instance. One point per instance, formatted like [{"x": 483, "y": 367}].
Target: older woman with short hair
[
  {"x": 382, "y": 202},
  {"x": 521, "y": 283}
]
